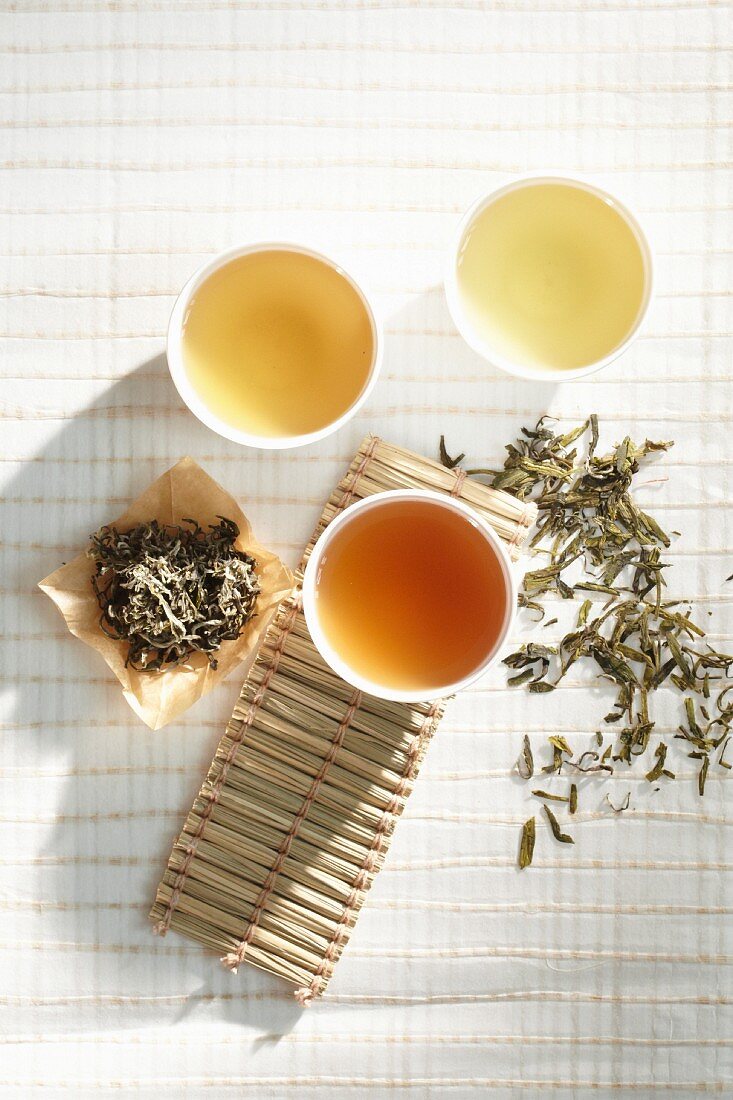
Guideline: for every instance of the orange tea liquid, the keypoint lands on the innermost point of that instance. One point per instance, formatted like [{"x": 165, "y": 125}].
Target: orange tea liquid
[
  {"x": 277, "y": 343},
  {"x": 411, "y": 595}
]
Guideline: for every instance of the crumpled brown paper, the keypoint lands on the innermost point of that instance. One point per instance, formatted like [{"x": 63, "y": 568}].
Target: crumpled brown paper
[{"x": 158, "y": 698}]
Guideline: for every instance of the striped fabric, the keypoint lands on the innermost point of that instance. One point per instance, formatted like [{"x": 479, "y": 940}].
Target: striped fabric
[{"x": 138, "y": 139}]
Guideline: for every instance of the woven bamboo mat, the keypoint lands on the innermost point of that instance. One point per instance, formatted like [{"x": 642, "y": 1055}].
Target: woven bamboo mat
[{"x": 295, "y": 816}]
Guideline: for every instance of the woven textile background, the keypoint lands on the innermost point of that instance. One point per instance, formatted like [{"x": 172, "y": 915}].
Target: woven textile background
[{"x": 140, "y": 137}]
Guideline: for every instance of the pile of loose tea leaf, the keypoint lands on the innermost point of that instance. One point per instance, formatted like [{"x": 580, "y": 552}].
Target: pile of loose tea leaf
[
  {"x": 590, "y": 527},
  {"x": 171, "y": 591}
]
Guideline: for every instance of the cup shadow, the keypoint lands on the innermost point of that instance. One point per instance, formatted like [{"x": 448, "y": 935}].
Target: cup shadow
[
  {"x": 119, "y": 791},
  {"x": 95, "y": 878}
]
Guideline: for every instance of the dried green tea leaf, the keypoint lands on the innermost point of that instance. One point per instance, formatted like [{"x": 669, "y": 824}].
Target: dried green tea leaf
[
  {"x": 550, "y": 797},
  {"x": 573, "y": 799},
  {"x": 594, "y": 436},
  {"x": 624, "y": 805},
  {"x": 575, "y": 433},
  {"x": 564, "y": 589},
  {"x": 658, "y": 769},
  {"x": 521, "y": 678},
  {"x": 531, "y": 605},
  {"x": 556, "y": 830},
  {"x": 526, "y": 845},
  {"x": 525, "y": 763},
  {"x": 445, "y": 458},
  {"x": 612, "y": 664},
  {"x": 560, "y": 743},
  {"x": 583, "y": 613},
  {"x": 581, "y": 766},
  {"x": 653, "y": 528},
  {"x": 171, "y": 591},
  {"x": 681, "y": 660},
  {"x": 557, "y": 762},
  {"x": 590, "y": 523},
  {"x": 691, "y": 718},
  {"x": 591, "y": 586},
  {"x": 703, "y": 775}
]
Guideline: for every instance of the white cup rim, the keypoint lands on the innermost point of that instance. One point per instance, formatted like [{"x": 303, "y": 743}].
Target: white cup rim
[
  {"x": 187, "y": 392},
  {"x": 340, "y": 666},
  {"x": 482, "y": 347}
]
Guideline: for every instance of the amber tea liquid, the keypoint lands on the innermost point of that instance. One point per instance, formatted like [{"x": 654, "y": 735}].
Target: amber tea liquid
[
  {"x": 277, "y": 343},
  {"x": 411, "y": 595}
]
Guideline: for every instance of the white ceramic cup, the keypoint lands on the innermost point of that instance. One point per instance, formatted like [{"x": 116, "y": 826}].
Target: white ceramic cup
[
  {"x": 311, "y": 579},
  {"x": 176, "y": 365},
  {"x": 465, "y": 326}
]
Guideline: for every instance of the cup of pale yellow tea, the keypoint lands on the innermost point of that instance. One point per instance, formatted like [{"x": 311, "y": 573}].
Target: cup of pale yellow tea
[
  {"x": 550, "y": 277},
  {"x": 409, "y": 595},
  {"x": 273, "y": 345}
]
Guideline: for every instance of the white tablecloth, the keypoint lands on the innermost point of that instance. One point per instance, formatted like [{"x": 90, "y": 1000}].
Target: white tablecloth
[{"x": 140, "y": 137}]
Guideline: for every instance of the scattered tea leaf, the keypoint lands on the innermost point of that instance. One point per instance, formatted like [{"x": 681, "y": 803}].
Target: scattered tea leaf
[
  {"x": 531, "y": 605},
  {"x": 595, "y": 539},
  {"x": 538, "y": 687},
  {"x": 556, "y": 830},
  {"x": 595, "y": 764},
  {"x": 658, "y": 769},
  {"x": 585, "y": 607},
  {"x": 445, "y": 458},
  {"x": 550, "y": 797},
  {"x": 557, "y": 762},
  {"x": 526, "y": 846},
  {"x": 624, "y": 805},
  {"x": 559, "y": 742},
  {"x": 520, "y": 678},
  {"x": 703, "y": 775},
  {"x": 525, "y": 763}
]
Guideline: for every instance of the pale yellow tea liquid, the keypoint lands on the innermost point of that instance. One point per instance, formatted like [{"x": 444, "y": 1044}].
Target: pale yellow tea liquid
[
  {"x": 277, "y": 343},
  {"x": 411, "y": 595},
  {"x": 551, "y": 276}
]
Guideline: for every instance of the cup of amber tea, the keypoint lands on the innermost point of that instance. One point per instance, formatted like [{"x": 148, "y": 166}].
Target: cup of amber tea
[
  {"x": 409, "y": 595},
  {"x": 273, "y": 345}
]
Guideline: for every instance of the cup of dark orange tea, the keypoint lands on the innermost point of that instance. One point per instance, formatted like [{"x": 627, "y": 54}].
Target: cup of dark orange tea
[{"x": 409, "y": 595}]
